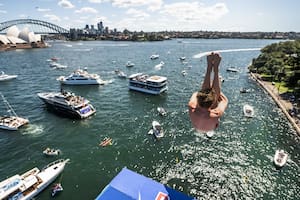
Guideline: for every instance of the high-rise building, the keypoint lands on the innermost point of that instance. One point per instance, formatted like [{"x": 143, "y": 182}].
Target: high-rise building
[{"x": 100, "y": 27}]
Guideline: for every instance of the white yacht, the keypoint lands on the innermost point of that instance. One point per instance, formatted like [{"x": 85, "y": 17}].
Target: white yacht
[
  {"x": 32, "y": 182},
  {"x": 148, "y": 84},
  {"x": 12, "y": 122},
  {"x": 248, "y": 110},
  {"x": 81, "y": 77},
  {"x": 68, "y": 104},
  {"x": 280, "y": 158},
  {"x": 6, "y": 77}
]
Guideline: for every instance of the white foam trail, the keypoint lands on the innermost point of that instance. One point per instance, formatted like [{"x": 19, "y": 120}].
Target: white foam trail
[{"x": 224, "y": 51}]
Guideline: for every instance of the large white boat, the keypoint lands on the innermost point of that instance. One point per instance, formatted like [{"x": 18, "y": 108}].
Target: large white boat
[
  {"x": 6, "y": 77},
  {"x": 68, "y": 104},
  {"x": 280, "y": 158},
  {"x": 248, "y": 110},
  {"x": 148, "y": 84},
  {"x": 32, "y": 182},
  {"x": 81, "y": 77},
  {"x": 12, "y": 122}
]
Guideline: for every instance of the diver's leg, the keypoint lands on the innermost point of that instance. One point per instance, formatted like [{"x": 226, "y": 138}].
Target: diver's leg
[{"x": 206, "y": 83}]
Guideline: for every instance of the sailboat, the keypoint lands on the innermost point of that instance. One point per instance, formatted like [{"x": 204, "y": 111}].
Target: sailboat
[{"x": 12, "y": 122}]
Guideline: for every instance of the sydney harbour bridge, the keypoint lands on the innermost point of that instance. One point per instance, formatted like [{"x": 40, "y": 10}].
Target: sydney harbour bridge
[{"x": 36, "y": 26}]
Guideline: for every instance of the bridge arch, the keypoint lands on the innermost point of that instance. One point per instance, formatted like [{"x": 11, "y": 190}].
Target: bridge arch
[{"x": 53, "y": 27}]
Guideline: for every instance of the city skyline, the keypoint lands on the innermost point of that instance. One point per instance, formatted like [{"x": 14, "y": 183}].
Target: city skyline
[{"x": 160, "y": 15}]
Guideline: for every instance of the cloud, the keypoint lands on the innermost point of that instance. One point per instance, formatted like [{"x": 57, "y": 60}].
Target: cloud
[
  {"x": 188, "y": 12},
  {"x": 152, "y": 4},
  {"x": 97, "y": 1},
  {"x": 86, "y": 10},
  {"x": 3, "y": 11},
  {"x": 52, "y": 17},
  {"x": 65, "y": 4},
  {"x": 43, "y": 9},
  {"x": 137, "y": 13}
]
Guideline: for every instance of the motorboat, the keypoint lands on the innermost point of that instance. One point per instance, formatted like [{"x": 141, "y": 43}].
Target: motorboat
[
  {"x": 245, "y": 90},
  {"x": 182, "y": 58},
  {"x": 184, "y": 73},
  {"x": 232, "y": 69},
  {"x": 106, "y": 142},
  {"x": 157, "y": 131},
  {"x": 56, "y": 189},
  {"x": 68, "y": 104},
  {"x": 129, "y": 64},
  {"x": 210, "y": 134},
  {"x": 248, "y": 110},
  {"x": 121, "y": 74},
  {"x": 51, "y": 152},
  {"x": 148, "y": 84},
  {"x": 160, "y": 65},
  {"x": 56, "y": 65},
  {"x": 6, "y": 77},
  {"x": 154, "y": 56},
  {"x": 280, "y": 158},
  {"x": 31, "y": 183},
  {"x": 12, "y": 122},
  {"x": 81, "y": 77},
  {"x": 161, "y": 111}
]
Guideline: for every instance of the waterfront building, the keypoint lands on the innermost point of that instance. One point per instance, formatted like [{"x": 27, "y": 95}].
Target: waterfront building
[{"x": 16, "y": 39}]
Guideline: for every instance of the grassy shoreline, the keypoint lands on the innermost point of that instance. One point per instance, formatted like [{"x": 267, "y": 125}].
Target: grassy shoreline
[{"x": 285, "y": 105}]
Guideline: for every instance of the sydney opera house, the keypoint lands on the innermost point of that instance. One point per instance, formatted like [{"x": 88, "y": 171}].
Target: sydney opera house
[{"x": 16, "y": 39}]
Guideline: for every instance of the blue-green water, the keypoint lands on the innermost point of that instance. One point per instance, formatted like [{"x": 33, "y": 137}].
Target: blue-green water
[{"x": 235, "y": 164}]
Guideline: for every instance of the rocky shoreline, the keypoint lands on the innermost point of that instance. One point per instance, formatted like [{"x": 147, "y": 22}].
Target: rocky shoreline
[{"x": 284, "y": 105}]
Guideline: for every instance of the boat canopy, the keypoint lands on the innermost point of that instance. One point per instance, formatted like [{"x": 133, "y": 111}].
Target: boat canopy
[{"x": 129, "y": 185}]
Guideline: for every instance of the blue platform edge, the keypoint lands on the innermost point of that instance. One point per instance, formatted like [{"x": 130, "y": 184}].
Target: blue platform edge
[{"x": 129, "y": 185}]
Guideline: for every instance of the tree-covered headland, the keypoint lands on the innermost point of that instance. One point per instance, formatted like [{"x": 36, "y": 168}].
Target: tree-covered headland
[{"x": 280, "y": 63}]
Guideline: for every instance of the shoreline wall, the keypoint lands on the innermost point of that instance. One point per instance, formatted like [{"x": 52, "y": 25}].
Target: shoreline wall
[{"x": 278, "y": 102}]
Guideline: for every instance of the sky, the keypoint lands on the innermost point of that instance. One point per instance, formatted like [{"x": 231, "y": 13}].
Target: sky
[{"x": 161, "y": 15}]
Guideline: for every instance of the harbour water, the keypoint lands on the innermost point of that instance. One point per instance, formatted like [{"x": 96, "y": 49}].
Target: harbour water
[{"x": 236, "y": 163}]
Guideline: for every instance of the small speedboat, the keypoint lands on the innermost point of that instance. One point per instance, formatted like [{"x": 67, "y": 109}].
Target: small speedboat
[
  {"x": 51, "y": 152},
  {"x": 129, "y": 64},
  {"x": 156, "y": 130},
  {"x": 154, "y": 56},
  {"x": 183, "y": 72},
  {"x": 248, "y": 110},
  {"x": 6, "y": 77},
  {"x": 182, "y": 58},
  {"x": 232, "y": 69},
  {"x": 280, "y": 158},
  {"x": 209, "y": 134},
  {"x": 56, "y": 189},
  {"x": 121, "y": 74},
  {"x": 106, "y": 142},
  {"x": 244, "y": 90},
  {"x": 161, "y": 111},
  {"x": 160, "y": 65}
]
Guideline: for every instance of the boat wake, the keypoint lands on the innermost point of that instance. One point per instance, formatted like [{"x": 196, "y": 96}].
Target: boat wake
[
  {"x": 108, "y": 81},
  {"x": 33, "y": 129},
  {"x": 200, "y": 55}
]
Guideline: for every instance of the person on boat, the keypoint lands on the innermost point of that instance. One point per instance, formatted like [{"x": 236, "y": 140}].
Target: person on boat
[{"x": 208, "y": 105}]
